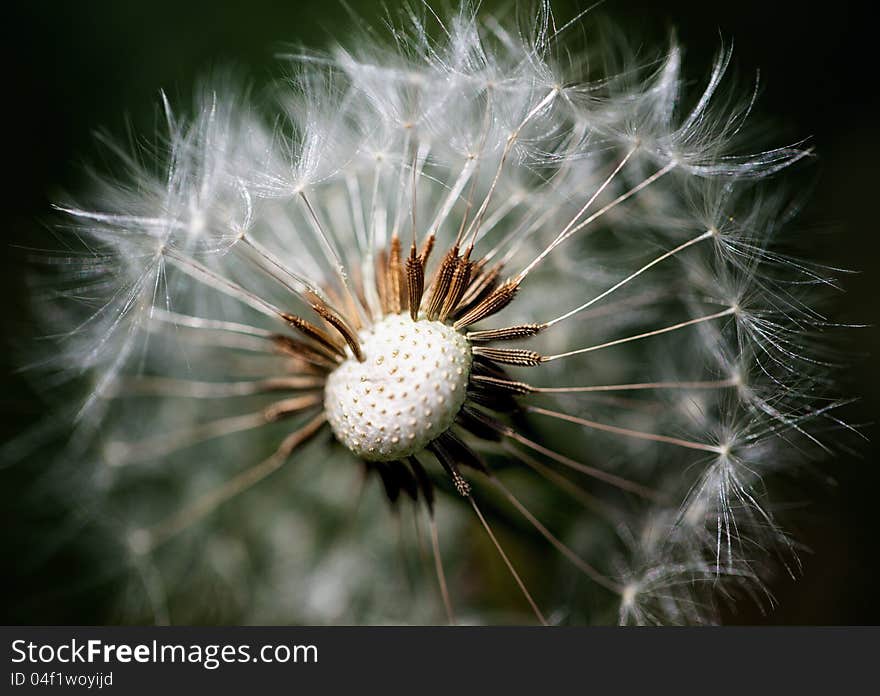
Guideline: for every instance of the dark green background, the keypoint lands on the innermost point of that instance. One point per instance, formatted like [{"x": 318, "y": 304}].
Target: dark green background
[{"x": 73, "y": 67}]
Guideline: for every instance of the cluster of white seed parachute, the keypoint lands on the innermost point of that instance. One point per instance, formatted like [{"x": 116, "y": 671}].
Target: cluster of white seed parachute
[{"x": 643, "y": 224}]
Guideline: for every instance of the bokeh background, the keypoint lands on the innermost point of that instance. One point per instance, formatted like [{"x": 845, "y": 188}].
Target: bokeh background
[{"x": 75, "y": 67}]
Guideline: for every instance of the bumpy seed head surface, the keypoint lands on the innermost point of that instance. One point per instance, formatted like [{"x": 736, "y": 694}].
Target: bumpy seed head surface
[{"x": 407, "y": 391}]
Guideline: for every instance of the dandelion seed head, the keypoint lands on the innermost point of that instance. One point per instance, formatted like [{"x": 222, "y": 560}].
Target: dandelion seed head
[{"x": 448, "y": 254}]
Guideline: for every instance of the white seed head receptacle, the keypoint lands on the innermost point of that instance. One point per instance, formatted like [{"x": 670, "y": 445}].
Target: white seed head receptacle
[{"x": 405, "y": 393}]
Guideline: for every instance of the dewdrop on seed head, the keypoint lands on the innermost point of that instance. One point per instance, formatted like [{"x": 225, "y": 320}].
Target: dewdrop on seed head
[{"x": 466, "y": 264}]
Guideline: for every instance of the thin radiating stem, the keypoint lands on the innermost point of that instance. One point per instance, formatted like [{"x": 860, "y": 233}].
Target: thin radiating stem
[
  {"x": 168, "y": 386},
  {"x": 122, "y": 453},
  {"x": 478, "y": 218},
  {"x": 637, "y": 337},
  {"x": 507, "y": 562},
  {"x": 710, "y": 384},
  {"x": 175, "y": 524},
  {"x": 631, "y": 277},
  {"x": 563, "y": 483},
  {"x": 576, "y": 560},
  {"x": 599, "y": 213},
  {"x": 192, "y": 322},
  {"x": 592, "y": 199},
  {"x": 152, "y": 582},
  {"x": 638, "y": 434},
  {"x": 438, "y": 568},
  {"x": 202, "y": 273},
  {"x": 663, "y": 171},
  {"x": 593, "y": 472},
  {"x": 334, "y": 258},
  {"x": 454, "y": 192},
  {"x": 272, "y": 266}
]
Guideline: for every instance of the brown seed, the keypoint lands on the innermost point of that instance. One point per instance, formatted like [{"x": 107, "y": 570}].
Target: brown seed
[
  {"x": 494, "y": 302},
  {"x": 415, "y": 282},
  {"x": 507, "y": 333},
  {"x": 510, "y": 356},
  {"x": 344, "y": 329},
  {"x": 441, "y": 282},
  {"x": 311, "y": 331},
  {"x": 506, "y": 385}
]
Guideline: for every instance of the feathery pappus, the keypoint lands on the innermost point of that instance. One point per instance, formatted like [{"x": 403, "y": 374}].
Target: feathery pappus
[{"x": 462, "y": 270}]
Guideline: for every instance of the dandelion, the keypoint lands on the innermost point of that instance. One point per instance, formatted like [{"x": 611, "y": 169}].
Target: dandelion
[{"x": 462, "y": 262}]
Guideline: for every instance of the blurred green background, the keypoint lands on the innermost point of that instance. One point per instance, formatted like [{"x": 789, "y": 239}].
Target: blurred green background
[{"x": 75, "y": 67}]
